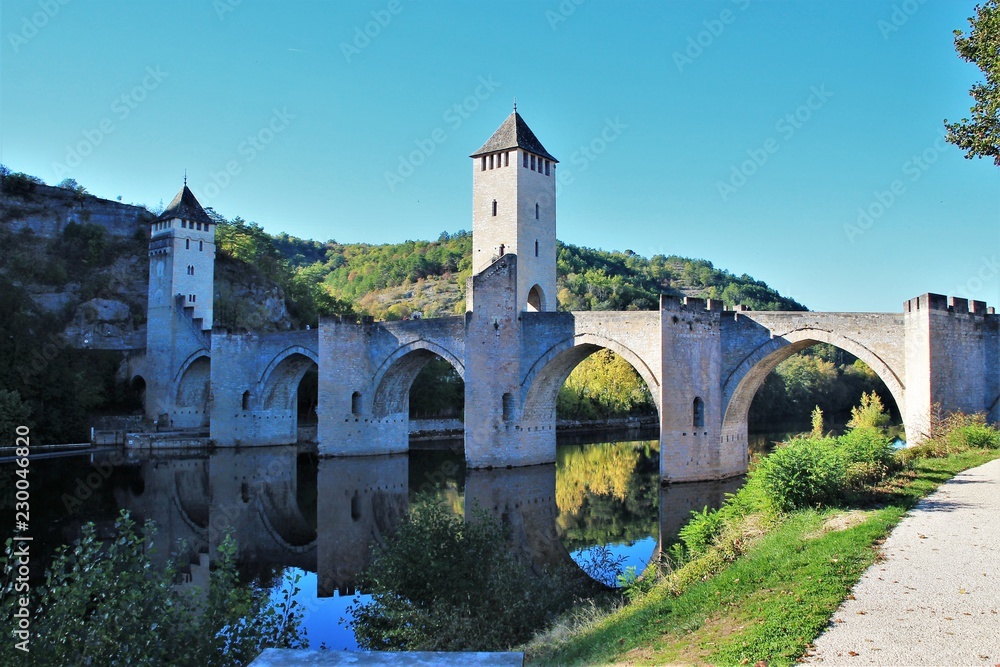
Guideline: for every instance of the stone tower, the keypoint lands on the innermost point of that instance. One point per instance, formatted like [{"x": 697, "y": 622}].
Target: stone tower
[
  {"x": 514, "y": 211},
  {"x": 181, "y": 292}
]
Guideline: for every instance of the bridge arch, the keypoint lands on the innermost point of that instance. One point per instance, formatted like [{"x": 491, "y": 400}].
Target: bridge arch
[
  {"x": 542, "y": 382},
  {"x": 746, "y": 379},
  {"x": 395, "y": 376},
  {"x": 279, "y": 383},
  {"x": 192, "y": 390}
]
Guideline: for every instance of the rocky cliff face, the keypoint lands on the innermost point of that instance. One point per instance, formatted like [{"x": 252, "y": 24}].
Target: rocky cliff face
[{"x": 83, "y": 260}]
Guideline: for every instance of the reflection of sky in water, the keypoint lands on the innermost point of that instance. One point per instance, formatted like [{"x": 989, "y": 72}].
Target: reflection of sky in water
[
  {"x": 636, "y": 554},
  {"x": 324, "y": 619}
]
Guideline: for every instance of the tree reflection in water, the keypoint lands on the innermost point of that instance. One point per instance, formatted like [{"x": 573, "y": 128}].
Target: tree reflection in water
[{"x": 608, "y": 498}]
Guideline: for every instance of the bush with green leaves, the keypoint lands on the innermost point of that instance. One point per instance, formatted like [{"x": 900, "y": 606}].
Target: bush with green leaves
[
  {"x": 448, "y": 585},
  {"x": 699, "y": 533},
  {"x": 106, "y": 603},
  {"x": 976, "y": 435},
  {"x": 804, "y": 472}
]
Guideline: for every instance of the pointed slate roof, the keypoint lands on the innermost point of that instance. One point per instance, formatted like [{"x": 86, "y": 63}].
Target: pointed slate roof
[
  {"x": 514, "y": 133},
  {"x": 186, "y": 207}
]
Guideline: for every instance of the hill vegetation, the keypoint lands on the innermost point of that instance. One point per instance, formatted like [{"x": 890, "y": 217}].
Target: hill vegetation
[{"x": 277, "y": 281}]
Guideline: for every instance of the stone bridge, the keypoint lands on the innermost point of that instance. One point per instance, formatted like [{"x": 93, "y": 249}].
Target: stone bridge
[{"x": 702, "y": 363}]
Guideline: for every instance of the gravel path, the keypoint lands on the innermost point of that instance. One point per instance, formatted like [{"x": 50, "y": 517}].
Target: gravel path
[{"x": 935, "y": 599}]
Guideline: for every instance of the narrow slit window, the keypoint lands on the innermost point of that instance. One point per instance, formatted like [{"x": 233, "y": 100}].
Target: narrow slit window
[
  {"x": 508, "y": 406},
  {"x": 356, "y": 403},
  {"x": 483, "y": 168},
  {"x": 698, "y": 418},
  {"x": 536, "y": 211},
  {"x": 546, "y": 167},
  {"x": 532, "y": 163},
  {"x": 201, "y": 245},
  {"x": 246, "y": 400},
  {"x": 494, "y": 207},
  {"x": 525, "y": 155},
  {"x": 187, "y": 244},
  {"x": 491, "y": 162},
  {"x": 536, "y": 247},
  {"x": 506, "y": 159}
]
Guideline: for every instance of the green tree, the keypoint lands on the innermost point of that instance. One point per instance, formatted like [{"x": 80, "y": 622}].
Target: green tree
[{"x": 979, "y": 136}]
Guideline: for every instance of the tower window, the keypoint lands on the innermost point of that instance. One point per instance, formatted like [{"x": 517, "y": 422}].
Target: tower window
[
  {"x": 356, "y": 403},
  {"x": 536, "y": 247},
  {"x": 494, "y": 208},
  {"x": 698, "y": 418},
  {"x": 525, "y": 159},
  {"x": 246, "y": 400},
  {"x": 483, "y": 168},
  {"x": 201, "y": 245},
  {"x": 491, "y": 162},
  {"x": 536, "y": 211},
  {"x": 187, "y": 244},
  {"x": 532, "y": 163},
  {"x": 184, "y": 224},
  {"x": 546, "y": 167},
  {"x": 507, "y": 405},
  {"x": 506, "y": 159}
]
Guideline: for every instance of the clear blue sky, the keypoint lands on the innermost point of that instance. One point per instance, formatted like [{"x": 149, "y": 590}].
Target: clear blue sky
[{"x": 684, "y": 94}]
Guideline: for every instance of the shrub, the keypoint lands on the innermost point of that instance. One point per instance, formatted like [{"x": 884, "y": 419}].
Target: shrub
[
  {"x": 444, "y": 584},
  {"x": 870, "y": 413},
  {"x": 105, "y": 603},
  {"x": 699, "y": 533},
  {"x": 978, "y": 436},
  {"x": 869, "y": 455},
  {"x": 804, "y": 473}
]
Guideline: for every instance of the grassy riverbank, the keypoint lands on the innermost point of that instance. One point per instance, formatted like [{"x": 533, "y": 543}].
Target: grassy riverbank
[{"x": 763, "y": 591}]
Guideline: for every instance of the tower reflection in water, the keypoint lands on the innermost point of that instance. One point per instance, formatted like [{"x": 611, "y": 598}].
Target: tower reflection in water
[{"x": 321, "y": 519}]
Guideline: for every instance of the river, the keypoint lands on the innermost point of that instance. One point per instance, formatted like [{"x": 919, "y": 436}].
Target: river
[{"x": 293, "y": 513}]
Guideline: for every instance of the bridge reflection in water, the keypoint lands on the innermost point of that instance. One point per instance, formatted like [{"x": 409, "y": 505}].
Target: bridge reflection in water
[{"x": 323, "y": 517}]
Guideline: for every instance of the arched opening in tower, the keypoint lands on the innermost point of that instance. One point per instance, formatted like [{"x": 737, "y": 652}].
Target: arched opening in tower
[
  {"x": 788, "y": 387},
  {"x": 536, "y": 300}
]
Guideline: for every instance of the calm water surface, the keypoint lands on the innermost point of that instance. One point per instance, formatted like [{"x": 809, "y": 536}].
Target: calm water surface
[{"x": 296, "y": 515}]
